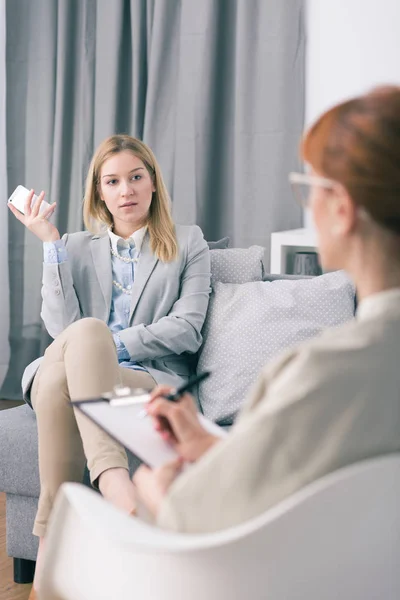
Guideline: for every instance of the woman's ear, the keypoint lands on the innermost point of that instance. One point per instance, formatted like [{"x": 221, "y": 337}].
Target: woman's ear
[{"x": 344, "y": 211}]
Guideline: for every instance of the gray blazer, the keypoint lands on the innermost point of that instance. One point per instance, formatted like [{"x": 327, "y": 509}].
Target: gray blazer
[{"x": 168, "y": 303}]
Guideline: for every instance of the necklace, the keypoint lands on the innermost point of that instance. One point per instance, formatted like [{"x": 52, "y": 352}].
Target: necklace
[
  {"x": 126, "y": 259},
  {"x": 120, "y": 287}
]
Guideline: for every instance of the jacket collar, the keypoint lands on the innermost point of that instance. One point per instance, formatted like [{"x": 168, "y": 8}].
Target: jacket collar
[
  {"x": 136, "y": 239},
  {"x": 380, "y": 304}
]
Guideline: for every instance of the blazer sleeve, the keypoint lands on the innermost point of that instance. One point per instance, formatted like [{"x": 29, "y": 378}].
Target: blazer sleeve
[
  {"x": 303, "y": 422},
  {"x": 180, "y": 330},
  {"x": 60, "y": 305}
]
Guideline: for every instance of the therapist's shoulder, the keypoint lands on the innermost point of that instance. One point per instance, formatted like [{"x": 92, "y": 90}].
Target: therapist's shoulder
[
  {"x": 339, "y": 344},
  {"x": 325, "y": 355},
  {"x": 308, "y": 367}
]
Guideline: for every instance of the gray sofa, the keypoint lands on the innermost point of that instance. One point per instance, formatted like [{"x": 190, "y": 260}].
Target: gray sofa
[{"x": 235, "y": 272}]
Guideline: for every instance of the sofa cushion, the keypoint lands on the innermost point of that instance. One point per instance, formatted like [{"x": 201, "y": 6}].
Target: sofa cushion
[
  {"x": 19, "y": 472},
  {"x": 249, "y": 324},
  {"x": 219, "y": 244},
  {"x": 237, "y": 265},
  {"x": 21, "y": 512}
]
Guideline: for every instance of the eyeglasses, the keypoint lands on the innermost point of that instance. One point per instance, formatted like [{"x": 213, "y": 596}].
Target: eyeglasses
[{"x": 301, "y": 183}]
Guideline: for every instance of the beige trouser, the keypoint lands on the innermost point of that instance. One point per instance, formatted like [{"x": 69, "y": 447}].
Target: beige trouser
[{"x": 81, "y": 363}]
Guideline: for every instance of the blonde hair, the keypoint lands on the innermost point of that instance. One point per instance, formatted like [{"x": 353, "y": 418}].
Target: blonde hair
[{"x": 96, "y": 215}]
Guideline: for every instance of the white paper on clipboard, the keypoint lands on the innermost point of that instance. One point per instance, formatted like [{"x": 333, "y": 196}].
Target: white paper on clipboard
[{"x": 137, "y": 434}]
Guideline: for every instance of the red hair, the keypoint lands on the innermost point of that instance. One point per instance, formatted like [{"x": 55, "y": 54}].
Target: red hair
[{"x": 357, "y": 143}]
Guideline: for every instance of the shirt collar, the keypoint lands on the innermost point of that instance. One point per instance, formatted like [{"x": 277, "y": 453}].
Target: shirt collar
[
  {"x": 379, "y": 304},
  {"x": 135, "y": 239}
]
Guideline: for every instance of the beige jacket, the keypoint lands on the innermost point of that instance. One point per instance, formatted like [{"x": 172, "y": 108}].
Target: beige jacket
[{"x": 323, "y": 405}]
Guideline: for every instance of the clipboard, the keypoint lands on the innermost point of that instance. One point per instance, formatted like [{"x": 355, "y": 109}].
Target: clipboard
[{"x": 124, "y": 422}]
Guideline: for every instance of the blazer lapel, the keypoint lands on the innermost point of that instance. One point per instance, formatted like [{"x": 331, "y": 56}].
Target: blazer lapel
[
  {"x": 100, "y": 248},
  {"x": 143, "y": 270}
]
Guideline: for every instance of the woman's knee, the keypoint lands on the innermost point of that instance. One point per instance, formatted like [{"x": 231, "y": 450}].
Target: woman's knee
[{"x": 89, "y": 327}]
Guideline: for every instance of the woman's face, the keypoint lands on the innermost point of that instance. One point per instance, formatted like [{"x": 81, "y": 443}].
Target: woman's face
[{"x": 127, "y": 189}]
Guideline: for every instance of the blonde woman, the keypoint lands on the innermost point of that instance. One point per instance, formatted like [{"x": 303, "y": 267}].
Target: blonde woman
[{"x": 125, "y": 302}]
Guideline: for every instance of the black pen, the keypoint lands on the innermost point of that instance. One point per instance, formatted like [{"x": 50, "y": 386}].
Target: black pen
[
  {"x": 187, "y": 386},
  {"x": 180, "y": 391}
]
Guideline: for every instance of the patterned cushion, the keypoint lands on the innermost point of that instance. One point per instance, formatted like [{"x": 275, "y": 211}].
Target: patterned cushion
[
  {"x": 249, "y": 324},
  {"x": 237, "y": 265}
]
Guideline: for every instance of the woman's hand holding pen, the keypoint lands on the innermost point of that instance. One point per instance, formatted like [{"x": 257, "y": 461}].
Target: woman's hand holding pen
[
  {"x": 178, "y": 424},
  {"x": 37, "y": 222}
]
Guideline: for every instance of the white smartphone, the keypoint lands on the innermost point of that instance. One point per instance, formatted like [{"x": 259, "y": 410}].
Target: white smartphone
[{"x": 18, "y": 198}]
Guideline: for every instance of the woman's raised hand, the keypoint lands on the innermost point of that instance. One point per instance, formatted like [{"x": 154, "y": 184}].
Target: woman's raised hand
[{"x": 37, "y": 222}]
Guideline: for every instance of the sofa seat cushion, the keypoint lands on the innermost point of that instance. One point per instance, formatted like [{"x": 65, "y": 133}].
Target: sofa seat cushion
[
  {"x": 19, "y": 471},
  {"x": 247, "y": 325}
]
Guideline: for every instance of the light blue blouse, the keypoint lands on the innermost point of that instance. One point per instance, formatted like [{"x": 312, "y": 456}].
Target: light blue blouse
[{"x": 122, "y": 273}]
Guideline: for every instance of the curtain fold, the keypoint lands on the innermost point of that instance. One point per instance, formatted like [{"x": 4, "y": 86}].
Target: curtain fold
[
  {"x": 238, "y": 135},
  {"x": 215, "y": 87},
  {"x": 4, "y": 275}
]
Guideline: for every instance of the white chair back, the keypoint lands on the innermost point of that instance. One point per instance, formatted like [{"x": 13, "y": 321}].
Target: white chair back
[{"x": 339, "y": 538}]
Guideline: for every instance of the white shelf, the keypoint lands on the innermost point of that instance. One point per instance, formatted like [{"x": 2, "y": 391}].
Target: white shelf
[{"x": 285, "y": 244}]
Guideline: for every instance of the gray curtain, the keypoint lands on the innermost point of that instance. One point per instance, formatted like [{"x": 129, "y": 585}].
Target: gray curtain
[
  {"x": 4, "y": 275},
  {"x": 215, "y": 87}
]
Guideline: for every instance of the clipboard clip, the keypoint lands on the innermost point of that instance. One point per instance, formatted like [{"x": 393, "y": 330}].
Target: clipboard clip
[{"x": 126, "y": 396}]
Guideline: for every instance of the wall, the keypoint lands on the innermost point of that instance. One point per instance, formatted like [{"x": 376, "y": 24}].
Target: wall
[{"x": 352, "y": 45}]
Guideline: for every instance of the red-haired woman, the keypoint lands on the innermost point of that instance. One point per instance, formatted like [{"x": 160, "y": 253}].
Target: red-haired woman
[{"x": 334, "y": 400}]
